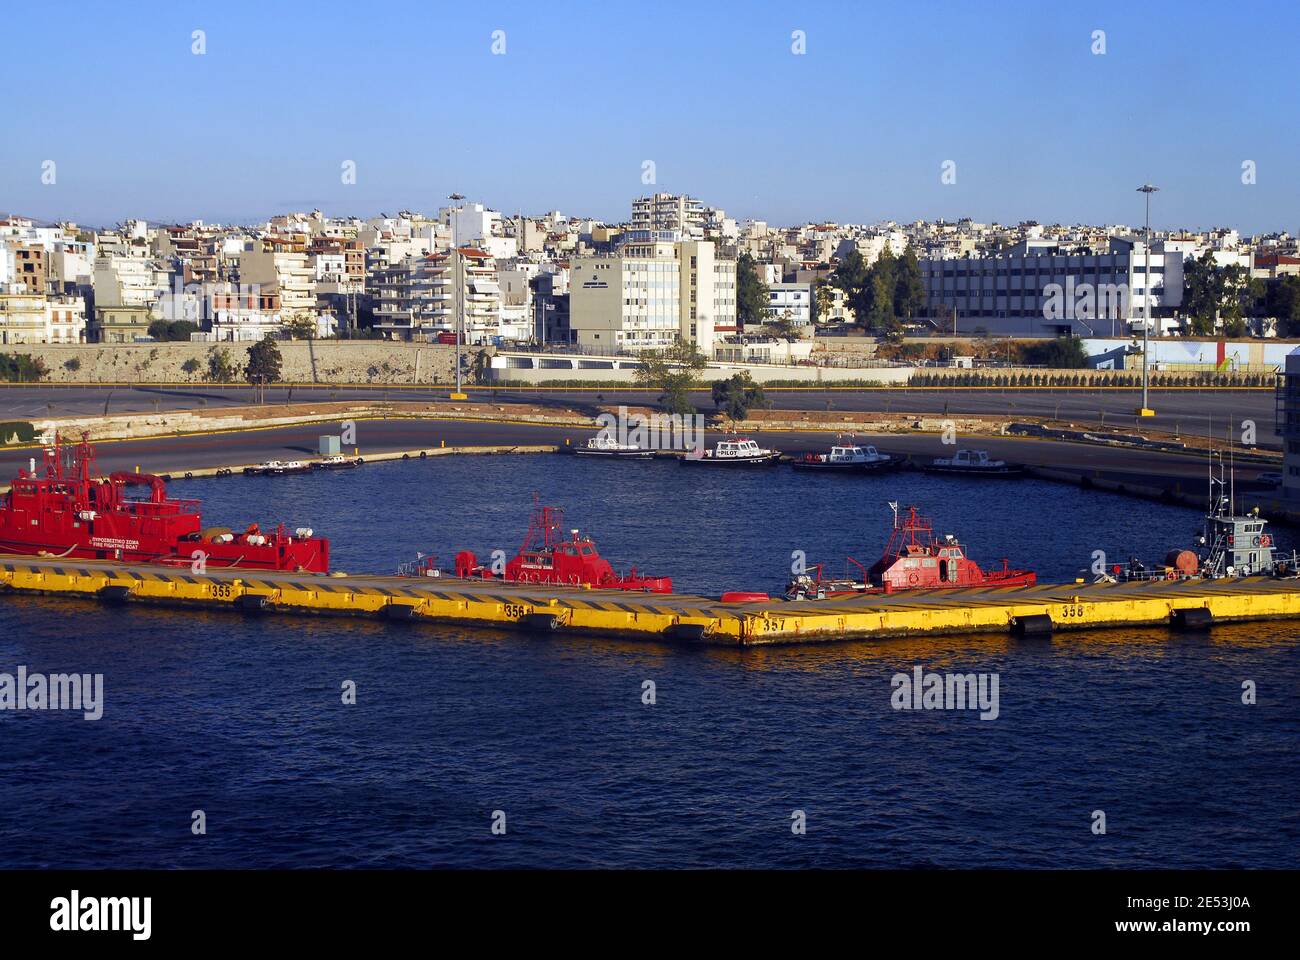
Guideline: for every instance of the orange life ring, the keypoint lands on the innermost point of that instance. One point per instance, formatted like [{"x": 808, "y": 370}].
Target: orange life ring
[
  {"x": 1266, "y": 541},
  {"x": 913, "y": 579}
]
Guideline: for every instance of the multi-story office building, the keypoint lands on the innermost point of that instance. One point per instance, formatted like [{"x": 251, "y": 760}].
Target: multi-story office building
[
  {"x": 1037, "y": 288},
  {"x": 656, "y": 290}
]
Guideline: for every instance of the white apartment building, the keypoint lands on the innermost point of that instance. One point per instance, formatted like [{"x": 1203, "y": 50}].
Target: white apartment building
[
  {"x": 791, "y": 301},
  {"x": 287, "y": 274},
  {"x": 128, "y": 279},
  {"x": 667, "y": 211},
  {"x": 437, "y": 293},
  {"x": 470, "y": 223},
  {"x": 242, "y": 313},
  {"x": 655, "y": 291},
  {"x": 32, "y": 318},
  {"x": 517, "y": 312}
]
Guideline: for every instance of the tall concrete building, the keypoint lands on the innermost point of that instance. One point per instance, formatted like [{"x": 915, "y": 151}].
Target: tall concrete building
[
  {"x": 656, "y": 290},
  {"x": 1288, "y": 424},
  {"x": 668, "y": 211}
]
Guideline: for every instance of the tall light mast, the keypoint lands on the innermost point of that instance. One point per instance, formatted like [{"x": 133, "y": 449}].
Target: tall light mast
[{"x": 1145, "y": 410}]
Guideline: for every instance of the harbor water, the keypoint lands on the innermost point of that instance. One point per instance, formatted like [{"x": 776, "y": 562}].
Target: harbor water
[{"x": 454, "y": 730}]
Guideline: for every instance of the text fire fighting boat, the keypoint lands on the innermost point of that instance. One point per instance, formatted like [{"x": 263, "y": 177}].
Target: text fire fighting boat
[
  {"x": 547, "y": 557},
  {"x": 915, "y": 559},
  {"x": 70, "y": 511}
]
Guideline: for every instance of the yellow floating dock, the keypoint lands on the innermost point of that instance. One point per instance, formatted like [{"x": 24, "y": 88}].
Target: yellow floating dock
[{"x": 1037, "y": 609}]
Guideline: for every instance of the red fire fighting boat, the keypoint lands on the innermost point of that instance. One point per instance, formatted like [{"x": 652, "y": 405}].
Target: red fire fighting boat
[
  {"x": 547, "y": 557},
  {"x": 915, "y": 559},
  {"x": 70, "y": 511}
]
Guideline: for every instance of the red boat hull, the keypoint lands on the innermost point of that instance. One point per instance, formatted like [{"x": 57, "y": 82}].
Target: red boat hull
[{"x": 72, "y": 513}]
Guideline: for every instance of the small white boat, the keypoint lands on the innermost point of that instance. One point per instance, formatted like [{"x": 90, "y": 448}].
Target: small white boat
[
  {"x": 735, "y": 452},
  {"x": 845, "y": 457},
  {"x": 277, "y": 468},
  {"x": 603, "y": 445},
  {"x": 974, "y": 463},
  {"x": 337, "y": 462}
]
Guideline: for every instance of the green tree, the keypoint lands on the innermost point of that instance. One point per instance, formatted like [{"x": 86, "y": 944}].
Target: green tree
[
  {"x": 909, "y": 291},
  {"x": 263, "y": 362},
  {"x": 1282, "y": 300},
  {"x": 674, "y": 371},
  {"x": 823, "y": 301},
  {"x": 851, "y": 276},
  {"x": 879, "y": 302},
  {"x": 172, "y": 330},
  {"x": 300, "y": 326},
  {"x": 737, "y": 395},
  {"x": 221, "y": 368},
  {"x": 21, "y": 368},
  {"x": 1202, "y": 292},
  {"x": 752, "y": 294},
  {"x": 190, "y": 366},
  {"x": 1060, "y": 353},
  {"x": 1212, "y": 292}
]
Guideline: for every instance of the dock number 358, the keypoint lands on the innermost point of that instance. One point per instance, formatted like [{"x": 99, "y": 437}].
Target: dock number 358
[{"x": 1072, "y": 611}]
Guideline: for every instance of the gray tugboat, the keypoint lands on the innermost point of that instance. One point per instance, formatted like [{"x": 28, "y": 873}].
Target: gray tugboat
[{"x": 1230, "y": 545}]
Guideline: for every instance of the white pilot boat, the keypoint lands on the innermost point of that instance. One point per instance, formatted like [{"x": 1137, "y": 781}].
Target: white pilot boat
[
  {"x": 603, "y": 445},
  {"x": 846, "y": 457},
  {"x": 734, "y": 452}
]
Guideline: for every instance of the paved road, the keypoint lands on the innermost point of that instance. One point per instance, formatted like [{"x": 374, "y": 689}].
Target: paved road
[
  {"x": 176, "y": 454},
  {"x": 1183, "y": 411}
]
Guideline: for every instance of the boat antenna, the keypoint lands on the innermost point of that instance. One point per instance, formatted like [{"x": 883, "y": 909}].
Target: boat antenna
[
  {"x": 1232, "y": 473},
  {"x": 893, "y": 505}
]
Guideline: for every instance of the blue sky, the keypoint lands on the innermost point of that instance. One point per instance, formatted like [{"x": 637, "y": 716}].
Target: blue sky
[{"x": 854, "y": 130}]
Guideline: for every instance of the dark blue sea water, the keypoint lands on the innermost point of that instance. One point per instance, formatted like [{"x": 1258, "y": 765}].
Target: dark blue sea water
[{"x": 242, "y": 718}]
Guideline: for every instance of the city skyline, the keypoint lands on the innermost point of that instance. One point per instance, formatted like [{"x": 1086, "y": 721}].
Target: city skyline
[{"x": 541, "y": 109}]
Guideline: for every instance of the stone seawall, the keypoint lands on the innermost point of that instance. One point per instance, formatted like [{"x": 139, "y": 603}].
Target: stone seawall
[{"x": 317, "y": 361}]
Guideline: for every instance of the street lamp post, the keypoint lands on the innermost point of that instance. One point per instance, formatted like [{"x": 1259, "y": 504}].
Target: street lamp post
[{"x": 1145, "y": 410}]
